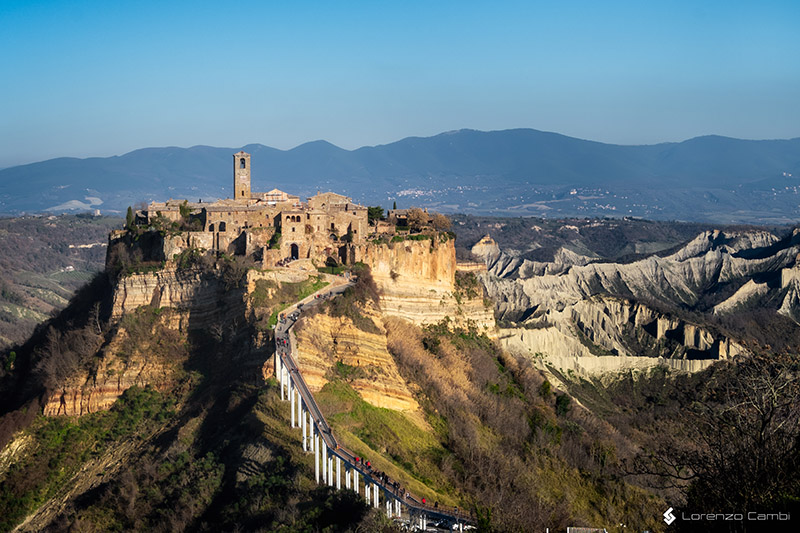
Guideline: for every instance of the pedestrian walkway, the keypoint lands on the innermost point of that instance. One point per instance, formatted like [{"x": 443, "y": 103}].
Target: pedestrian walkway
[{"x": 332, "y": 462}]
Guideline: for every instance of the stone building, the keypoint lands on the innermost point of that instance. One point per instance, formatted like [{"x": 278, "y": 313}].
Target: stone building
[{"x": 328, "y": 226}]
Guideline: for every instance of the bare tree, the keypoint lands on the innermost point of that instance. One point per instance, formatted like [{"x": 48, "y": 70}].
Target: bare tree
[
  {"x": 441, "y": 222},
  {"x": 417, "y": 218},
  {"x": 738, "y": 446}
]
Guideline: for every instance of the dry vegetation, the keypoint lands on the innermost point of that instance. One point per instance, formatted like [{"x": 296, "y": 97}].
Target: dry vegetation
[
  {"x": 524, "y": 459},
  {"x": 725, "y": 439}
]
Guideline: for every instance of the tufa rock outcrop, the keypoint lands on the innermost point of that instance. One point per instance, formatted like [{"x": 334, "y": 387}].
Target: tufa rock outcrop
[
  {"x": 333, "y": 347},
  {"x": 417, "y": 281}
]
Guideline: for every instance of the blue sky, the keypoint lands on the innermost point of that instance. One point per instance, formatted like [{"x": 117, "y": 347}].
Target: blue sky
[{"x": 103, "y": 78}]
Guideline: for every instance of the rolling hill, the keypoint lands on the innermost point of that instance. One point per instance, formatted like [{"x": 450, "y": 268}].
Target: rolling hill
[{"x": 521, "y": 171}]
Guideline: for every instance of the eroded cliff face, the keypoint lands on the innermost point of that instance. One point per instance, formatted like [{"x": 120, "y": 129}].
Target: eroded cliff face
[
  {"x": 506, "y": 265},
  {"x": 605, "y": 335},
  {"x": 153, "y": 317},
  {"x": 417, "y": 282},
  {"x": 680, "y": 278},
  {"x": 119, "y": 367},
  {"x": 196, "y": 296},
  {"x": 323, "y": 341},
  {"x": 573, "y": 309}
]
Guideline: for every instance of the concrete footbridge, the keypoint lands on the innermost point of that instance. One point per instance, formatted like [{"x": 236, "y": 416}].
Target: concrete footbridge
[{"x": 333, "y": 462}]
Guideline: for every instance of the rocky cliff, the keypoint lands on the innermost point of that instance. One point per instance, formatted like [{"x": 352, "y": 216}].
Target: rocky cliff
[
  {"x": 417, "y": 281},
  {"x": 153, "y": 317},
  {"x": 574, "y": 308},
  {"x": 681, "y": 278},
  {"x": 197, "y": 296},
  {"x": 333, "y": 347},
  {"x": 507, "y": 265},
  {"x": 120, "y": 365}
]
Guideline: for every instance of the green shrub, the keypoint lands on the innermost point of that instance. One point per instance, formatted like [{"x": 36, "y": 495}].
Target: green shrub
[
  {"x": 275, "y": 241},
  {"x": 562, "y": 404}
]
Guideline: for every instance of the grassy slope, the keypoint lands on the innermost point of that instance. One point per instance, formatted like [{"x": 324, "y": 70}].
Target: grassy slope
[
  {"x": 498, "y": 440},
  {"x": 393, "y": 442}
]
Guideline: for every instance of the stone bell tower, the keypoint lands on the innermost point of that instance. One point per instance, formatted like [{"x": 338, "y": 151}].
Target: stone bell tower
[{"x": 241, "y": 176}]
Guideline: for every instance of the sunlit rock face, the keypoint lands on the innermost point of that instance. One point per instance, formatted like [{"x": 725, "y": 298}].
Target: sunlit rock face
[
  {"x": 416, "y": 280},
  {"x": 324, "y": 340},
  {"x": 573, "y": 308}
]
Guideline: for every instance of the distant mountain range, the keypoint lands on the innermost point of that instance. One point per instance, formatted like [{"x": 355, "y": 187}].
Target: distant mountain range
[{"x": 511, "y": 172}]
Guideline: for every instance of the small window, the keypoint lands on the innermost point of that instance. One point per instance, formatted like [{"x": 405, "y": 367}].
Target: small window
[
  {"x": 292, "y": 228},
  {"x": 242, "y": 163}
]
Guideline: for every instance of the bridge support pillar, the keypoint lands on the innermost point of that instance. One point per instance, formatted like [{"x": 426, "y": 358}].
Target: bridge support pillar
[
  {"x": 366, "y": 491},
  {"x": 355, "y": 481},
  {"x": 316, "y": 455},
  {"x": 338, "y": 473},
  {"x": 324, "y": 463},
  {"x": 298, "y": 403},
  {"x": 280, "y": 377},
  {"x": 397, "y": 508},
  {"x": 330, "y": 469},
  {"x": 291, "y": 400},
  {"x": 303, "y": 417},
  {"x": 388, "y": 507},
  {"x": 375, "y": 495},
  {"x": 347, "y": 474}
]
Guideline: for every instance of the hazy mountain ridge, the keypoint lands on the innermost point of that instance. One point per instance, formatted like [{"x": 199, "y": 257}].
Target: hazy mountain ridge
[{"x": 520, "y": 171}]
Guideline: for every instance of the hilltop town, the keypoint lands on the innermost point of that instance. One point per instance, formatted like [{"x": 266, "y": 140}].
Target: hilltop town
[{"x": 273, "y": 228}]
